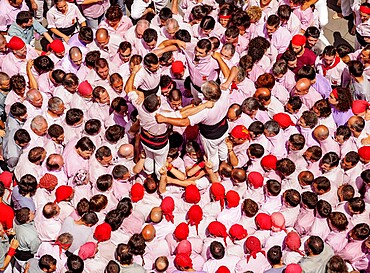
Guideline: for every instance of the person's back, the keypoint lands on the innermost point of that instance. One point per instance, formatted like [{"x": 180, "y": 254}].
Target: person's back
[{"x": 80, "y": 233}]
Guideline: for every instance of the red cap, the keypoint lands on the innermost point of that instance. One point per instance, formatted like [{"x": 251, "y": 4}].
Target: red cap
[
  {"x": 85, "y": 88},
  {"x": 48, "y": 181},
  {"x": 293, "y": 268},
  {"x": 365, "y": 9},
  {"x": 263, "y": 220},
  {"x": 103, "y": 232},
  {"x": 183, "y": 260},
  {"x": 137, "y": 192},
  {"x": 168, "y": 206},
  {"x": 238, "y": 232},
  {"x": 255, "y": 179},
  {"x": 359, "y": 106},
  {"x": 57, "y": 46},
  {"x": 253, "y": 245},
  {"x": 177, "y": 67},
  {"x": 192, "y": 194},
  {"x": 299, "y": 40},
  {"x": 184, "y": 247},
  {"x": 232, "y": 198},
  {"x": 195, "y": 215},
  {"x": 284, "y": 120},
  {"x": 269, "y": 161},
  {"x": 218, "y": 191},
  {"x": 223, "y": 269},
  {"x": 15, "y": 43},
  {"x": 62, "y": 193},
  {"x": 181, "y": 231},
  {"x": 217, "y": 229},
  {"x": 240, "y": 131},
  {"x": 364, "y": 152},
  {"x": 7, "y": 178}
]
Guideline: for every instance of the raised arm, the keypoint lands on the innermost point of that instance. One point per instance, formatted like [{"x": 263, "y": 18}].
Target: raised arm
[{"x": 223, "y": 66}]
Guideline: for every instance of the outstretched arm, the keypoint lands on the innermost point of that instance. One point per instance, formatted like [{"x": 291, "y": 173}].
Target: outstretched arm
[
  {"x": 180, "y": 122},
  {"x": 223, "y": 66}
]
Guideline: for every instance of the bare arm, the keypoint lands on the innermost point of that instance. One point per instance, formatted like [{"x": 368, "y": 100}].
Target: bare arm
[
  {"x": 180, "y": 122},
  {"x": 190, "y": 111},
  {"x": 182, "y": 183},
  {"x": 130, "y": 82},
  {"x": 140, "y": 164},
  {"x": 223, "y": 66},
  {"x": 163, "y": 180},
  {"x": 176, "y": 172},
  {"x": 48, "y": 37},
  {"x": 175, "y": 7},
  {"x": 31, "y": 77},
  {"x": 60, "y": 34},
  {"x": 233, "y": 159}
]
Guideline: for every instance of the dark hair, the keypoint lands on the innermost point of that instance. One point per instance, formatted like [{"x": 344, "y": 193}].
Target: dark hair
[
  {"x": 22, "y": 215},
  {"x": 43, "y": 64},
  {"x": 256, "y": 127},
  {"x": 92, "y": 126},
  {"x": 256, "y": 150},
  {"x": 70, "y": 80},
  {"x": 217, "y": 250},
  {"x": 91, "y": 58},
  {"x": 150, "y": 35},
  {"x": 322, "y": 183},
  {"x": 151, "y": 103},
  {"x": 55, "y": 131},
  {"x": 114, "y": 13},
  {"x": 46, "y": 261},
  {"x": 285, "y": 166},
  {"x": 112, "y": 267},
  {"x": 343, "y": 130},
  {"x": 298, "y": 141},
  {"x": 323, "y": 107},
  {"x": 344, "y": 99},
  {"x": 150, "y": 59},
  {"x": 295, "y": 102},
  {"x": 273, "y": 20},
  {"x": 313, "y": 32},
  {"x": 124, "y": 206},
  {"x": 338, "y": 220},
  {"x": 323, "y": 208},
  {"x": 137, "y": 244},
  {"x": 360, "y": 231},
  {"x": 284, "y": 12},
  {"x": 119, "y": 171},
  {"x": 273, "y": 187},
  {"x": 18, "y": 109},
  {"x": 90, "y": 218},
  {"x": 23, "y": 17},
  {"x": 73, "y": 116},
  {"x": 114, "y": 218},
  {"x": 85, "y": 144},
  {"x": 22, "y": 136},
  {"x": 104, "y": 182},
  {"x": 207, "y": 23},
  {"x": 306, "y": 71},
  {"x": 356, "y": 68},
  {"x": 27, "y": 185},
  {"x": 315, "y": 244},
  {"x": 331, "y": 158},
  {"x": 250, "y": 207},
  {"x": 124, "y": 254},
  {"x": 336, "y": 265},
  {"x": 274, "y": 255},
  {"x": 292, "y": 197},
  {"x": 310, "y": 118},
  {"x": 357, "y": 205},
  {"x": 165, "y": 13},
  {"x": 310, "y": 199},
  {"x": 329, "y": 51},
  {"x": 75, "y": 264},
  {"x": 86, "y": 34},
  {"x": 183, "y": 35}
]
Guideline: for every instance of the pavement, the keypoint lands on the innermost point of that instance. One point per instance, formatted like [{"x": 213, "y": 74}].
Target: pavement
[{"x": 339, "y": 27}]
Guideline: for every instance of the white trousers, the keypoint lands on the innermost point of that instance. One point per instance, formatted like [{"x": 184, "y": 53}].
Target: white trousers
[
  {"x": 215, "y": 150},
  {"x": 155, "y": 159}
]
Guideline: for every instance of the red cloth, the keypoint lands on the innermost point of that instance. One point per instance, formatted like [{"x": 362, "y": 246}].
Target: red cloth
[
  {"x": 263, "y": 220},
  {"x": 364, "y": 152},
  {"x": 181, "y": 231},
  {"x": 293, "y": 268},
  {"x": 269, "y": 161},
  {"x": 103, "y": 232},
  {"x": 217, "y": 229},
  {"x": 63, "y": 193},
  {"x": 255, "y": 179},
  {"x": 358, "y": 107},
  {"x": 168, "y": 206},
  {"x": 184, "y": 247},
  {"x": 299, "y": 40},
  {"x": 238, "y": 232},
  {"x": 6, "y": 216},
  {"x": 87, "y": 250},
  {"x": 85, "y": 88},
  {"x": 218, "y": 192},
  {"x": 232, "y": 198},
  {"x": 7, "y": 179},
  {"x": 192, "y": 194},
  {"x": 177, "y": 67},
  {"x": 15, "y": 43},
  {"x": 183, "y": 260},
  {"x": 325, "y": 68},
  {"x": 253, "y": 245},
  {"x": 137, "y": 192},
  {"x": 195, "y": 215},
  {"x": 240, "y": 131},
  {"x": 48, "y": 182},
  {"x": 284, "y": 120},
  {"x": 57, "y": 46},
  {"x": 293, "y": 241},
  {"x": 223, "y": 269}
]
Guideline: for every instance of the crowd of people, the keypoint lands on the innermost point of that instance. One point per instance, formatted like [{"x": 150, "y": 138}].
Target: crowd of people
[{"x": 206, "y": 136}]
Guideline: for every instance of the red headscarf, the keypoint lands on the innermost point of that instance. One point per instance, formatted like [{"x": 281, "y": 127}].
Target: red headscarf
[
  {"x": 359, "y": 106},
  {"x": 195, "y": 215},
  {"x": 62, "y": 193},
  {"x": 168, "y": 206},
  {"x": 269, "y": 161},
  {"x": 232, "y": 198},
  {"x": 103, "y": 232},
  {"x": 183, "y": 260},
  {"x": 218, "y": 191},
  {"x": 253, "y": 245},
  {"x": 48, "y": 181},
  {"x": 223, "y": 269},
  {"x": 16, "y": 43},
  {"x": 181, "y": 231},
  {"x": 238, "y": 232},
  {"x": 192, "y": 194},
  {"x": 184, "y": 247},
  {"x": 218, "y": 229},
  {"x": 364, "y": 152},
  {"x": 255, "y": 179},
  {"x": 263, "y": 220},
  {"x": 293, "y": 241},
  {"x": 137, "y": 192}
]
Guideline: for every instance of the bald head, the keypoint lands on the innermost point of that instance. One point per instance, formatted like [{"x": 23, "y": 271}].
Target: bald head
[
  {"x": 54, "y": 162},
  {"x": 101, "y": 33},
  {"x": 356, "y": 124},
  {"x": 148, "y": 233},
  {"x": 302, "y": 86},
  {"x": 321, "y": 132},
  {"x": 75, "y": 55},
  {"x": 34, "y": 97},
  {"x": 126, "y": 151},
  {"x": 263, "y": 95},
  {"x": 161, "y": 264},
  {"x": 234, "y": 112},
  {"x": 141, "y": 26},
  {"x": 238, "y": 175},
  {"x": 156, "y": 215}
]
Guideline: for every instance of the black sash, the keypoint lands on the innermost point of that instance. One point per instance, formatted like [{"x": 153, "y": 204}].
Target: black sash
[
  {"x": 23, "y": 255},
  {"x": 150, "y": 91},
  {"x": 68, "y": 31},
  {"x": 360, "y": 39},
  {"x": 154, "y": 142},
  {"x": 214, "y": 131},
  {"x": 196, "y": 87}
]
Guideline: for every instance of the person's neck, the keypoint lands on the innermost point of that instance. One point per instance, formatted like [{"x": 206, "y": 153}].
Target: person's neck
[
  {"x": 52, "y": 114},
  {"x": 301, "y": 53},
  {"x": 359, "y": 79},
  {"x": 278, "y": 265}
]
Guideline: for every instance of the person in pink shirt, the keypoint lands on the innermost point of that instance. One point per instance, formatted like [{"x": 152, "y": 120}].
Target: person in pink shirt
[
  {"x": 320, "y": 224},
  {"x": 306, "y": 92},
  {"x": 9, "y": 11},
  {"x": 232, "y": 35},
  {"x": 279, "y": 36},
  {"x": 337, "y": 238},
  {"x": 236, "y": 144},
  {"x": 93, "y": 11},
  {"x": 306, "y": 214},
  {"x": 18, "y": 92},
  {"x": 115, "y": 22},
  {"x": 304, "y": 14},
  {"x": 283, "y": 75},
  {"x": 122, "y": 57},
  {"x": 327, "y": 143},
  {"x": 148, "y": 42},
  {"x": 106, "y": 43}
]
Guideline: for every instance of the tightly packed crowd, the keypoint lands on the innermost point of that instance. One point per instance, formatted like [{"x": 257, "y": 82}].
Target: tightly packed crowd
[{"x": 206, "y": 136}]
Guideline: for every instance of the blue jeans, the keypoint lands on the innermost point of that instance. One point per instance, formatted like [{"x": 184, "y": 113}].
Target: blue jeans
[{"x": 94, "y": 22}]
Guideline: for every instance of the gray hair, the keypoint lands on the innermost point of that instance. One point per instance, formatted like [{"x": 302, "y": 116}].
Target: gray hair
[
  {"x": 65, "y": 238},
  {"x": 250, "y": 104},
  {"x": 172, "y": 22},
  {"x": 280, "y": 67},
  {"x": 242, "y": 73},
  {"x": 54, "y": 103},
  {"x": 272, "y": 126},
  {"x": 211, "y": 90},
  {"x": 143, "y": 22},
  {"x": 229, "y": 47},
  {"x": 37, "y": 122},
  {"x": 31, "y": 94}
]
